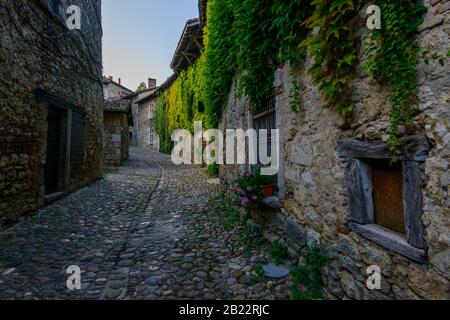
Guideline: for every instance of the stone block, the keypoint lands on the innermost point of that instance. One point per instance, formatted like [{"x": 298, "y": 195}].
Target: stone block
[
  {"x": 294, "y": 231},
  {"x": 312, "y": 238},
  {"x": 348, "y": 247}
]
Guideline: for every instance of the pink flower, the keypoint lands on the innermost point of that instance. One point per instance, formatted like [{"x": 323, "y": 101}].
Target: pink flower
[
  {"x": 245, "y": 201},
  {"x": 249, "y": 189},
  {"x": 240, "y": 191},
  {"x": 255, "y": 198}
]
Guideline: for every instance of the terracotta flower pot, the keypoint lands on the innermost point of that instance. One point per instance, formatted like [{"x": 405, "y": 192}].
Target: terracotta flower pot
[{"x": 267, "y": 190}]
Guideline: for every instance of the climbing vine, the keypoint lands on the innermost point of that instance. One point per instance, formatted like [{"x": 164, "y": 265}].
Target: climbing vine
[
  {"x": 180, "y": 105},
  {"x": 333, "y": 49},
  {"x": 161, "y": 124},
  {"x": 249, "y": 39},
  {"x": 246, "y": 40},
  {"x": 393, "y": 57}
]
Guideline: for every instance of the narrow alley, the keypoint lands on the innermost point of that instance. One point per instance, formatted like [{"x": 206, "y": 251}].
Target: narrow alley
[{"x": 142, "y": 232}]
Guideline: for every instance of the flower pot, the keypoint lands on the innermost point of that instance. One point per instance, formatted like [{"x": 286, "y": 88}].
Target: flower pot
[{"x": 267, "y": 190}]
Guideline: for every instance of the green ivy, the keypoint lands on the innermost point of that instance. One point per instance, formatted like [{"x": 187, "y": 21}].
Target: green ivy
[
  {"x": 307, "y": 282},
  {"x": 161, "y": 124},
  {"x": 333, "y": 49},
  {"x": 220, "y": 57},
  {"x": 249, "y": 39},
  {"x": 393, "y": 57},
  {"x": 179, "y": 106}
]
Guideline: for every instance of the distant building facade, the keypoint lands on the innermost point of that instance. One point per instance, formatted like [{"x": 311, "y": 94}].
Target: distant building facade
[
  {"x": 134, "y": 130},
  {"x": 51, "y": 103},
  {"x": 146, "y": 134},
  {"x": 117, "y": 121}
]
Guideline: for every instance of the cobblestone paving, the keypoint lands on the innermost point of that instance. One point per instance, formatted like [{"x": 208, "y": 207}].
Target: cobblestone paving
[{"x": 143, "y": 232}]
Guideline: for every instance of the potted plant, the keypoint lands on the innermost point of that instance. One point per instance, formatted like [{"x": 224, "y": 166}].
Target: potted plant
[
  {"x": 264, "y": 183},
  {"x": 251, "y": 189}
]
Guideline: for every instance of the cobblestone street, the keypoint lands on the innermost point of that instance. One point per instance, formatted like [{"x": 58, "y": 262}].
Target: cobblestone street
[{"x": 142, "y": 232}]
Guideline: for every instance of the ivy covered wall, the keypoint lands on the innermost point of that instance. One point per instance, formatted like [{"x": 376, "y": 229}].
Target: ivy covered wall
[{"x": 245, "y": 40}]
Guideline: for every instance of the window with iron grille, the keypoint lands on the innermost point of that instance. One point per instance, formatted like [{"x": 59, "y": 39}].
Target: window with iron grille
[{"x": 265, "y": 119}]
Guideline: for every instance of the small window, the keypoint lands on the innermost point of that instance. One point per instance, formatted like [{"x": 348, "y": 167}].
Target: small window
[{"x": 384, "y": 198}]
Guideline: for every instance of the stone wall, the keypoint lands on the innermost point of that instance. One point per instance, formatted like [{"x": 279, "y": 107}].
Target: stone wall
[
  {"x": 146, "y": 135},
  {"x": 37, "y": 51},
  {"x": 116, "y": 138},
  {"x": 312, "y": 178}
]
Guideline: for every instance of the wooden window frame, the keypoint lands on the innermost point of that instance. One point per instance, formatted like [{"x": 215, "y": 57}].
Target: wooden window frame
[{"x": 360, "y": 194}]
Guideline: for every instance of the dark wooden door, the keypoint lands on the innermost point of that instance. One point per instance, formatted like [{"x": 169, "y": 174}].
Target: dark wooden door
[{"x": 52, "y": 162}]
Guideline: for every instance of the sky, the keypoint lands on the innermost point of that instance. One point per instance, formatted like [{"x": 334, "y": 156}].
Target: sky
[{"x": 140, "y": 37}]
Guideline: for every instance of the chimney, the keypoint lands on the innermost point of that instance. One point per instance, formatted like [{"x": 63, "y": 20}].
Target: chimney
[
  {"x": 120, "y": 81},
  {"x": 151, "y": 83}
]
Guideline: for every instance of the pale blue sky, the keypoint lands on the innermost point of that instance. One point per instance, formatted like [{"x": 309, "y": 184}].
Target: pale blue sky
[{"x": 140, "y": 37}]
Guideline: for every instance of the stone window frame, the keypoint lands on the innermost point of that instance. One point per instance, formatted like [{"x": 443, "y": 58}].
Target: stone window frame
[{"x": 360, "y": 193}]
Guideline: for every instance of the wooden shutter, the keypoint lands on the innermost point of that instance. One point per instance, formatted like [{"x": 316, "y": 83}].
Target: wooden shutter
[{"x": 77, "y": 137}]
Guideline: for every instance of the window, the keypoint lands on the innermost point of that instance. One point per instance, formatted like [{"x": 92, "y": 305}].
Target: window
[
  {"x": 265, "y": 119},
  {"x": 150, "y": 136},
  {"x": 384, "y": 199}
]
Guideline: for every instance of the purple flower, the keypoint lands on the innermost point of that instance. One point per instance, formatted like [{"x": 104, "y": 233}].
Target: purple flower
[
  {"x": 240, "y": 191},
  {"x": 245, "y": 201},
  {"x": 249, "y": 189},
  {"x": 250, "y": 174},
  {"x": 255, "y": 198}
]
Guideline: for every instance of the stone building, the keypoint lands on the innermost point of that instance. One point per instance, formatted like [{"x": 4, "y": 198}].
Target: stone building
[
  {"x": 337, "y": 191},
  {"x": 117, "y": 121},
  {"x": 112, "y": 89},
  {"x": 51, "y": 103},
  {"x": 146, "y": 133},
  {"x": 134, "y": 130}
]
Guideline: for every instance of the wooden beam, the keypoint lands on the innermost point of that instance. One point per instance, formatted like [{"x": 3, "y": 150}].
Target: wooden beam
[
  {"x": 197, "y": 42},
  {"x": 186, "y": 57},
  {"x": 360, "y": 192},
  {"x": 412, "y": 203},
  {"x": 389, "y": 240},
  {"x": 414, "y": 148}
]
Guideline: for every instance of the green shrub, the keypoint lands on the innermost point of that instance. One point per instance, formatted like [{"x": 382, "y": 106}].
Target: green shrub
[
  {"x": 307, "y": 283},
  {"x": 213, "y": 170}
]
